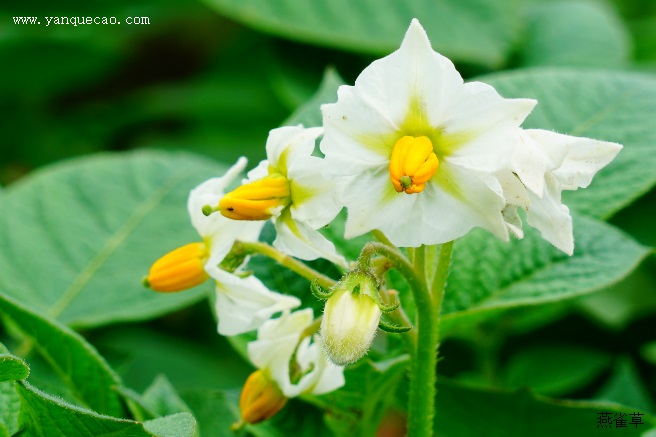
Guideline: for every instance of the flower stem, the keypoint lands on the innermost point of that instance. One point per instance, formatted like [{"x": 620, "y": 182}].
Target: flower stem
[
  {"x": 284, "y": 260},
  {"x": 424, "y": 363}
]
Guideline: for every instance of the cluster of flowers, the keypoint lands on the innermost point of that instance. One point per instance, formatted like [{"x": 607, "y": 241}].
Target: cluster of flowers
[{"x": 412, "y": 152}]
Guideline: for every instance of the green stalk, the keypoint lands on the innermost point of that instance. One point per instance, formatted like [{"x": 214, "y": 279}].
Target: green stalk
[
  {"x": 284, "y": 260},
  {"x": 424, "y": 364}
]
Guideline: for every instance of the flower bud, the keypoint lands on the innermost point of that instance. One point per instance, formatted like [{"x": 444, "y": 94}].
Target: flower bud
[
  {"x": 260, "y": 398},
  {"x": 179, "y": 269},
  {"x": 350, "y": 318}
]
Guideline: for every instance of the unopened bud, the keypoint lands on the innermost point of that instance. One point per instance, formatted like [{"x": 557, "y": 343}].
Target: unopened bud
[
  {"x": 260, "y": 399},
  {"x": 179, "y": 269},
  {"x": 350, "y": 318}
]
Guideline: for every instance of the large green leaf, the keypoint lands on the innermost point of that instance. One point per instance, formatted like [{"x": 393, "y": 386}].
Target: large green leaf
[
  {"x": 78, "y": 237},
  {"x": 608, "y": 106},
  {"x": 489, "y": 274},
  {"x": 576, "y": 33},
  {"x": 43, "y": 416},
  {"x": 77, "y": 363},
  {"x": 141, "y": 354},
  {"x": 463, "y": 412},
  {"x": 476, "y": 31}
]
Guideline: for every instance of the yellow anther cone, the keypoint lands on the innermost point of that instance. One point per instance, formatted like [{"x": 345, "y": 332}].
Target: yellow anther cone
[
  {"x": 179, "y": 269},
  {"x": 257, "y": 200},
  {"x": 412, "y": 164}
]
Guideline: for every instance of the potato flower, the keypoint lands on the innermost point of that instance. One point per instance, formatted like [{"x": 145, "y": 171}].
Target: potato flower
[
  {"x": 416, "y": 150},
  {"x": 289, "y": 188}
]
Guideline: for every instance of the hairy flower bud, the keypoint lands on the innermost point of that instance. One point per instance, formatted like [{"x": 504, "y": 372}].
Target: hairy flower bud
[
  {"x": 179, "y": 269},
  {"x": 350, "y": 318},
  {"x": 260, "y": 398}
]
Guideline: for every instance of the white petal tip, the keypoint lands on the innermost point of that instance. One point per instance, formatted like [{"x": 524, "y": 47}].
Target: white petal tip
[{"x": 416, "y": 35}]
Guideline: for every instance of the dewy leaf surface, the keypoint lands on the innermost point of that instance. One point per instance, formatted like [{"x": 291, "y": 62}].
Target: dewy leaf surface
[
  {"x": 610, "y": 106},
  {"x": 489, "y": 274},
  {"x": 476, "y": 31},
  {"x": 78, "y": 364},
  {"x": 76, "y": 238}
]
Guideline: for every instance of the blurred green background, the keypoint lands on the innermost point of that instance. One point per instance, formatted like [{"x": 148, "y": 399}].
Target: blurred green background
[{"x": 214, "y": 77}]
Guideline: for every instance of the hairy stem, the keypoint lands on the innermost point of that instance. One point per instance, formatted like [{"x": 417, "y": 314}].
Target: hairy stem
[{"x": 424, "y": 365}]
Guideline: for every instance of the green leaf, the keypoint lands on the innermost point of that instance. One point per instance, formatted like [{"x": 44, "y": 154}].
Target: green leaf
[
  {"x": 140, "y": 354},
  {"x": 357, "y": 408},
  {"x": 562, "y": 368},
  {"x": 489, "y": 274},
  {"x": 611, "y": 106},
  {"x": 8, "y": 397},
  {"x": 43, "y": 415},
  {"x": 463, "y": 412},
  {"x": 175, "y": 425},
  {"x": 162, "y": 398},
  {"x": 12, "y": 368},
  {"x": 80, "y": 367},
  {"x": 627, "y": 388},
  {"x": 476, "y": 31},
  {"x": 214, "y": 410},
  {"x": 574, "y": 33},
  {"x": 309, "y": 113},
  {"x": 97, "y": 224}
]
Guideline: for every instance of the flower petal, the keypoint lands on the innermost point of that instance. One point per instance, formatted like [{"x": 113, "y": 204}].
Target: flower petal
[
  {"x": 298, "y": 239},
  {"x": 550, "y": 217},
  {"x": 244, "y": 304},
  {"x": 285, "y": 144},
  {"x": 313, "y": 195},
  {"x": 582, "y": 157}
]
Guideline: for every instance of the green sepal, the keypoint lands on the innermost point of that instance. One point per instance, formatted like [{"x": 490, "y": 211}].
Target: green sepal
[
  {"x": 387, "y": 308},
  {"x": 392, "y": 328},
  {"x": 319, "y": 292}
]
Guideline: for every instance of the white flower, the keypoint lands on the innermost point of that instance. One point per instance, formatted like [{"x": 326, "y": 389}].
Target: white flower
[
  {"x": 416, "y": 149},
  {"x": 288, "y": 187},
  {"x": 244, "y": 304},
  {"x": 219, "y": 233},
  {"x": 192, "y": 264},
  {"x": 277, "y": 348},
  {"x": 548, "y": 163}
]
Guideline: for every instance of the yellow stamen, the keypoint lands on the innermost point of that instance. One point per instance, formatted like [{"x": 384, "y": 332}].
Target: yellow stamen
[
  {"x": 412, "y": 164},
  {"x": 179, "y": 269},
  {"x": 257, "y": 200},
  {"x": 260, "y": 398}
]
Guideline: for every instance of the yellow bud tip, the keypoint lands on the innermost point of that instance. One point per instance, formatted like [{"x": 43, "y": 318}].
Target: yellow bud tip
[
  {"x": 412, "y": 164},
  {"x": 257, "y": 200},
  {"x": 179, "y": 269},
  {"x": 260, "y": 399}
]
